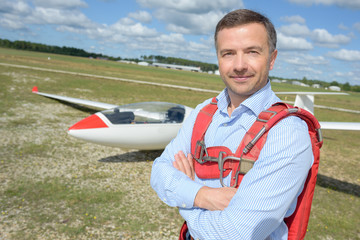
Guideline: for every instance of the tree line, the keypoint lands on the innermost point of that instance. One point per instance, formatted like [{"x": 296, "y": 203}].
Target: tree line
[
  {"x": 205, "y": 67},
  {"x": 344, "y": 86},
  {"x": 38, "y": 47}
]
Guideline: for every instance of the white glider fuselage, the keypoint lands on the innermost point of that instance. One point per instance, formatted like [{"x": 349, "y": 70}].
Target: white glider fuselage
[{"x": 136, "y": 129}]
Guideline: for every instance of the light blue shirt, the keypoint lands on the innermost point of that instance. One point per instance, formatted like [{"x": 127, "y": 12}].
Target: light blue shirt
[{"x": 267, "y": 193}]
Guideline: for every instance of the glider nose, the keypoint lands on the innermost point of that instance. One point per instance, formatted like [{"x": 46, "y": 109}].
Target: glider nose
[{"x": 93, "y": 121}]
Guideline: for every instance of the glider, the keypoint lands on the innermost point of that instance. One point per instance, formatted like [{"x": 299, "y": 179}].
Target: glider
[
  {"x": 143, "y": 126},
  {"x": 151, "y": 125}
]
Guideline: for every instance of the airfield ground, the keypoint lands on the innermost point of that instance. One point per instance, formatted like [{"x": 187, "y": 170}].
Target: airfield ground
[{"x": 56, "y": 187}]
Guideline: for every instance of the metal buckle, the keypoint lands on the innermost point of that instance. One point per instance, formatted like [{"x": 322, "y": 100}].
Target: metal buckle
[
  {"x": 263, "y": 120},
  {"x": 203, "y": 157},
  {"x": 221, "y": 168}
]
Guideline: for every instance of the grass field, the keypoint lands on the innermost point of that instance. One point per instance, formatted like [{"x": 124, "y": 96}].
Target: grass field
[{"x": 56, "y": 187}]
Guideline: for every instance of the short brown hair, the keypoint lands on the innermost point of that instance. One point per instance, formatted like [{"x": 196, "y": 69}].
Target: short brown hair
[{"x": 245, "y": 16}]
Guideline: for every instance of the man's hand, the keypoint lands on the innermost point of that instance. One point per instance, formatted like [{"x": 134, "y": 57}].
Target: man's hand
[
  {"x": 207, "y": 198},
  {"x": 184, "y": 164},
  {"x": 214, "y": 198}
]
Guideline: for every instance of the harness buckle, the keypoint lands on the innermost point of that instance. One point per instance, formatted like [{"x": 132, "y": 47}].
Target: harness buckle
[
  {"x": 221, "y": 168},
  {"x": 266, "y": 120},
  {"x": 204, "y": 156}
]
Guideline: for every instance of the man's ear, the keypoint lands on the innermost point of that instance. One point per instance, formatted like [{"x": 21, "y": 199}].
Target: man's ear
[{"x": 272, "y": 58}]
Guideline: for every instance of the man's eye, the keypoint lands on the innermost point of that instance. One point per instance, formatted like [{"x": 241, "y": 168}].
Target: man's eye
[{"x": 227, "y": 54}]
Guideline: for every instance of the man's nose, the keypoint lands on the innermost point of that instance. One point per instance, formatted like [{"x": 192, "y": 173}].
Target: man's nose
[{"x": 240, "y": 62}]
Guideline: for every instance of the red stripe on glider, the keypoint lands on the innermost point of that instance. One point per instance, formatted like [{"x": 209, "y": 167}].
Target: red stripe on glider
[{"x": 92, "y": 121}]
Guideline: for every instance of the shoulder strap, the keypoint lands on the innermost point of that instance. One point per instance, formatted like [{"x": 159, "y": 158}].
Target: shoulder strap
[
  {"x": 202, "y": 123},
  {"x": 271, "y": 117},
  {"x": 253, "y": 142}
]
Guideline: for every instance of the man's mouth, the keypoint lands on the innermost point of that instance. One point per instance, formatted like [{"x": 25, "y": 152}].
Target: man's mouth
[{"x": 241, "y": 77}]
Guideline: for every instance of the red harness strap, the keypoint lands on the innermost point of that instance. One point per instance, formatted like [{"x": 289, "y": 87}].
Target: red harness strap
[{"x": 218, "y": 162}]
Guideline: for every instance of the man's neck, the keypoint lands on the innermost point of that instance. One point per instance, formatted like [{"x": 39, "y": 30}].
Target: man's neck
[{"x": 234, "y": 102}]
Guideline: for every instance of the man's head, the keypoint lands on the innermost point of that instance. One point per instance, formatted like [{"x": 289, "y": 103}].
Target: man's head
[
  {"x": 245, "y": 47},
  {"x": 245, "y": 16}
]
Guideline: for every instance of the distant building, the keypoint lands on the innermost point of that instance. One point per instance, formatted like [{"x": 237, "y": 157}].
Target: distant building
[
  {"x": 217, "y": 72},
  {"x": 335, "y": 88},
  {"x": 143, "y": 63},
  {"x": 177, "y": 67},
  {"x": 316, "y": 85},
  {"x": 126, "y": 61},
  {"x": 276, "y": 81},
  {"x": 300, "y": 84}
]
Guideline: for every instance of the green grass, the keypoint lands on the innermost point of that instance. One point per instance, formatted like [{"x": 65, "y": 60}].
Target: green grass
[{"x": 56, "y": 187}]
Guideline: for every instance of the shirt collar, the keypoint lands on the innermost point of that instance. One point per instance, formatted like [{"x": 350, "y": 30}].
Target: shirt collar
[{"x": 257, "y": 102}]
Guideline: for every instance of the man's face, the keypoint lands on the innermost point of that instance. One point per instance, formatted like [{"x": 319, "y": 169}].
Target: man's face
[{"x": 244, "y": 59}]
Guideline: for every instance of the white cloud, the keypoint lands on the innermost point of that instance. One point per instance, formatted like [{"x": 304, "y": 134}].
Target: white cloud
[
  {"x": 18, "y": 15},
  {"x": 343, "y": 27},
  {"x": 15, "y": 7},
  {"x": 60, "y": 4},
  {"x": 192, "y": 6},
  {"x": 72, "y": 18},
  {"x": 357, "y": 26},
  {"x": 323, "y": 38},
  {"x": 189, "y": 23},
  {"x": 352, "y": 4},
  {"x": 294, "y": 19},
  {"x": 305, "y": 59},
  {"x": 12, "y": 14},
  {"x": 197, "y": 17},
  {"x": 141, "y": 16},
  {"x": 12, "y": 24},
  {"x": 345, "y": 55},
  {"x": 342, "y": 74},
  {"x": 318, "y": 60},
  {"x": 293, "y": 43},
  {"x": 295, "y": 29},
  {"x": 309, "y": 71},
  {"x": 123, "y": 31},
  {"x": 352, "y": 77}
]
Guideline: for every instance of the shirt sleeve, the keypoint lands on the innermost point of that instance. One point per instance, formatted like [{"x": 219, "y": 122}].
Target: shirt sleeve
[
  {"x": 173, "y": 187},
  {"x": 267, "y": 193}
]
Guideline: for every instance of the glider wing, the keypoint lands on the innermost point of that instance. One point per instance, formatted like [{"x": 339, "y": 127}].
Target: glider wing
[{"x": 75, "y": 100}]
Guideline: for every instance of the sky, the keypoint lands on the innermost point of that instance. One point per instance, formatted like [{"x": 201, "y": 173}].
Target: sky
[{"x": 317, "y": 39}]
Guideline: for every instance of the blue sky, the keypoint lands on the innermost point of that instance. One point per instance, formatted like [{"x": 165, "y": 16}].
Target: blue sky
[{"x": 317, "y": 39}]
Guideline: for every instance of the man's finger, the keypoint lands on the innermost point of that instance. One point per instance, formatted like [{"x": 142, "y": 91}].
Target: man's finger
[
  {"x": 187, "y": 167},
  {"x": 179, "y": 163},
  {"x": 191, "y": 163}
]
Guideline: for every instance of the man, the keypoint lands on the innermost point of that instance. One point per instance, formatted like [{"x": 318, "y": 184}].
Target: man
[{"x": 246, "y": 49}]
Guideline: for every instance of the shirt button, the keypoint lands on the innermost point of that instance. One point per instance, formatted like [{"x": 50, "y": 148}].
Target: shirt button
[{"x": 183, "y": 205}]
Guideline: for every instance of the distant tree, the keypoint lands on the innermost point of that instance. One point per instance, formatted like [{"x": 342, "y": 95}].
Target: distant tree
[
  {"x": 355, "y": 88},
  {"x": 334, "y": 83},
  {"x": 346, "y": 87},
  {"x": 305, "y": 81}
]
